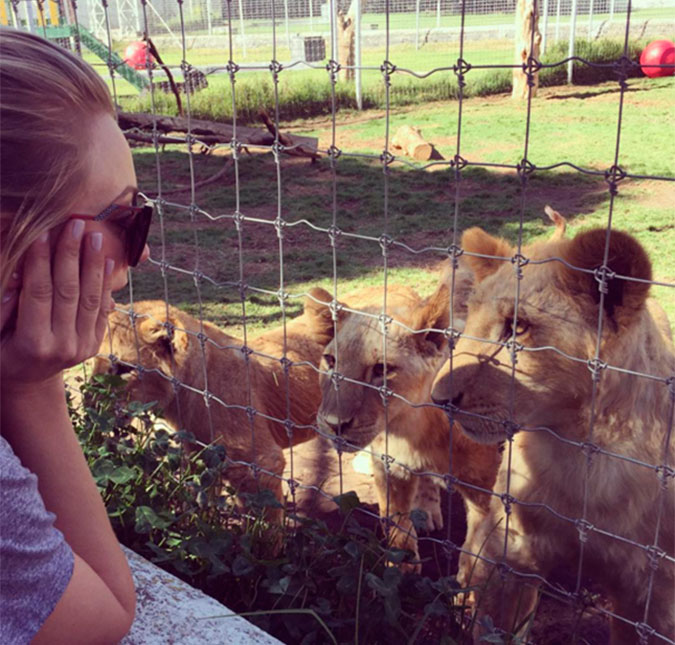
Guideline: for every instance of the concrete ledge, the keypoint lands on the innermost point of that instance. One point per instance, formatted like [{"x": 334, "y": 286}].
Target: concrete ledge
[{"x": 170, "y": 611}]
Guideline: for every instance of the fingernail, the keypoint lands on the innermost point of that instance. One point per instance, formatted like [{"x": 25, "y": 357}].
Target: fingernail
[
  {"x": 44, "y": 237},
  {"x": 77, "y": 228},
  {"x": 7, "y": 296},
  {"x": 15, "y": 276},
  {"x": 109, "y": 265},
  {"x": 96, "y": 241}
]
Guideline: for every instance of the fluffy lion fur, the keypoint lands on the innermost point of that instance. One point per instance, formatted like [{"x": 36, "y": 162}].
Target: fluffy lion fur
[
  {"x": 419, "y": 437},
  {"x": 614, "y": 507},
  {"x": 258, "y": 397}
]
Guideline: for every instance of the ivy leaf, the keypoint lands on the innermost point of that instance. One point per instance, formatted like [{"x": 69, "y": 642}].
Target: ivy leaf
[
  {"x": 147, "y": 519},
  {"x": 123, "y": 474},
  {"x": 186, "y": 436},
  {"x": 347, "y": 501},
  {"x": 353, "y": 549},
  {"x": 346, "y": 585},
  {"x": 102, "y": 469},
  {"x": 396, "y": 556},
  {"x": 242, "y": 567}
]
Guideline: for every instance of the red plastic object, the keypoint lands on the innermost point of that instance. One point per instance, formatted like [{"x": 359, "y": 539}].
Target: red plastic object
[
  {"x": 658, "y": 52},
  {"x": 136, "y": 55}
]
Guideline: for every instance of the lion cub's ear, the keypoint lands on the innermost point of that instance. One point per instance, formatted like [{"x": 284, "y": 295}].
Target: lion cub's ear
[
  {"x": 166, "y": 339},
  {"x": 626, "y": 258},
  {"x": 320, "y": 318},
  {"x": 476, "y": 240},
  {"x": 434, "y": 313}
]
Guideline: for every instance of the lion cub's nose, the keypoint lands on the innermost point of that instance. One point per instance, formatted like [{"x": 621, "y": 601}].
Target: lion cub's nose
[{"x": 456, "y": 400}]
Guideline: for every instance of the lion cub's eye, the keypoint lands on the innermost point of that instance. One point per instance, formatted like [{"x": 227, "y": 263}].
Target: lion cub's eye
[
  {"x": 520, "y": 328},
  {"x": 379, "y": 368},
  {"x": 328, "y": 362}
]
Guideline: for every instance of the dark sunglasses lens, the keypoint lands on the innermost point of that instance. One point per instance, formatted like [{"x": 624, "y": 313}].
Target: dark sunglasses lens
[{"x": 138, "y": 235}]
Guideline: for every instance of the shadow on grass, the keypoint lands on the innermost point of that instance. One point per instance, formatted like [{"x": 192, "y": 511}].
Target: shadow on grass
[{"x": 423, "y": 213}]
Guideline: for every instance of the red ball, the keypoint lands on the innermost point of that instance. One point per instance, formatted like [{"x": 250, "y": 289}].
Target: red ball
[
  {"x": 658, "y": 52},
  {"x": 137, "y": 55}
]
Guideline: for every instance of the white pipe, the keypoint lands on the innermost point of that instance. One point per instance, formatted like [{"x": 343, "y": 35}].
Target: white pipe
[{"x": 570, "y": 51}]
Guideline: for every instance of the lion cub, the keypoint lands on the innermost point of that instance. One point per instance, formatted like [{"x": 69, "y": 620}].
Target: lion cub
[
  {"x": 589, "y": 479},
  {"x": 254, "y": 411},
  {"x": 358, "y": 405}
]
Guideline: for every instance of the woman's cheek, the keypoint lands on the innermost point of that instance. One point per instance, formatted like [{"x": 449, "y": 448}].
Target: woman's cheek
[{"x": 119, "y": 278}]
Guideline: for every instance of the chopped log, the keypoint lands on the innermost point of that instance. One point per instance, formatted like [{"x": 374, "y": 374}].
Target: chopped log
[
  {"x": 213, "y": 132},
  {"x": 528, "y": 41},
  {"x": 409, "y": 139}
]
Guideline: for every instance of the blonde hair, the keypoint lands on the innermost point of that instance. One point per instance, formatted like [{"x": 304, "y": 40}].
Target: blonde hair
[{"x": 47, "y": 98}]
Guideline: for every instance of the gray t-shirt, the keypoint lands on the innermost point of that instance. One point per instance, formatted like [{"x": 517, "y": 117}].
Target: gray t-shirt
[{"x": 36, "y": 562}]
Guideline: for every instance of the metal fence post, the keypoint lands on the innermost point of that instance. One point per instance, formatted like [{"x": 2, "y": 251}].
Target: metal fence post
[
  {"x": 242, "y": 35},
  {"x": 557, "y": 21},
  {"x": 545, "y": 30},
  {"x": 590, "y": 20},
  {"x": 333, "y": 28},
  {"x": 417, "y": 24},
  {"x": 572, "y": 35},
  {"x": 357, "y": 55}
]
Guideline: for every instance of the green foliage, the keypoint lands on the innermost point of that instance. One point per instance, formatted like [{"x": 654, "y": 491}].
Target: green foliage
[
  {"x": 164, "y": 502},
  {"x": 305, "y": 95}
]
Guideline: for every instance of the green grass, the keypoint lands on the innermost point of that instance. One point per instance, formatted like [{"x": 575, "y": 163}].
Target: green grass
[{"x": 577, "y": 126}]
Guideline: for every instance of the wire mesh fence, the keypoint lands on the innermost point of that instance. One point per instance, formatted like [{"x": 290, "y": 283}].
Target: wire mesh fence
[{"x": 253, "y": 37}]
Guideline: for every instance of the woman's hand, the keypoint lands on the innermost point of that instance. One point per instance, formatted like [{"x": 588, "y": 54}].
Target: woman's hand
[{"x": 60, "y": 308}]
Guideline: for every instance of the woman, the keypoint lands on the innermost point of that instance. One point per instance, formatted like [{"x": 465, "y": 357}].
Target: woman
[{"x": 69, "y": 232}]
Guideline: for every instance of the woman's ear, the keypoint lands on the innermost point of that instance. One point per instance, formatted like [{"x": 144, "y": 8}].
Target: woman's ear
[
  {"x": 626, "y": 259},
  {"x": 476, "y": 240}
]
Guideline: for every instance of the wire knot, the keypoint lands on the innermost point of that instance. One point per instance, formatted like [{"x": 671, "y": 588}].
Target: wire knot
[
  {"x": 459, "y": 162},
  {"x": 333, "y": 152},
  {"x": 595, "y": 365},
  {"x": 583, "y": 527}
]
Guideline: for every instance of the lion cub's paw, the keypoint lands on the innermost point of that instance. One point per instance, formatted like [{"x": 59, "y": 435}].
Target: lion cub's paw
[{"x": 428, "y": 499}]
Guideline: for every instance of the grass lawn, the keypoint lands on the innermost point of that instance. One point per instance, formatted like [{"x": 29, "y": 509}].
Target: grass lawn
[{"x": 574, "y": 125}]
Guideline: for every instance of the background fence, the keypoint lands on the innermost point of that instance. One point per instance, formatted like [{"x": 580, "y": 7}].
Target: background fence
[{"x": 209, "y": 34}]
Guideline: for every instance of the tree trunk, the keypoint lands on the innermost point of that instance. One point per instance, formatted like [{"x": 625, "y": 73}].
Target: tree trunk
[
  {"x": 527, "y": 44},
  {"x": 346, "y": 23}
]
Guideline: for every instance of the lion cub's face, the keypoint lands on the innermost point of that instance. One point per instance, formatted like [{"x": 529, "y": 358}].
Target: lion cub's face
[
  {"x": 552, "y": 335},
  {"x": 367, "y": 382},
  {"x": 148, "y": 344}
]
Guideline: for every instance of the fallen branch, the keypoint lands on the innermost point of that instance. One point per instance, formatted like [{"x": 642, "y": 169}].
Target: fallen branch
[
  {"x": 220, "y": 132},
  {"x": 292, "y": 147}
]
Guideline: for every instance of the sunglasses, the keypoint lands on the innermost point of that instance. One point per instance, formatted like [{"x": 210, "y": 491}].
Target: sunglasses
[{"x": 134, "y": 221}]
